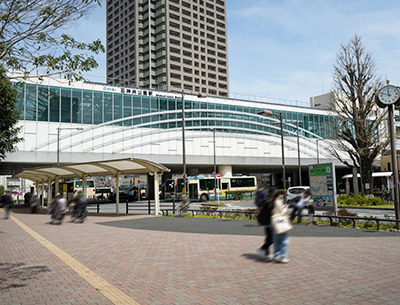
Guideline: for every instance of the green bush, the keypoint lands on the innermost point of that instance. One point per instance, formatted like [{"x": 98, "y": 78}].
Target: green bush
[{"x": 359, "y": 201}]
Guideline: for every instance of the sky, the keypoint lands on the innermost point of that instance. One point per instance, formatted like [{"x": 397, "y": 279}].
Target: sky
[{"x": 286, "y": 49}]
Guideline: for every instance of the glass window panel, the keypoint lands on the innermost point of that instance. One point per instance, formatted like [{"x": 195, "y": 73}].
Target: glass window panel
[
  {"x": 171, "y": 116},
  {"x": 137, "y": 121},
  {"x": 211, "y": 114},
  {"x": 54, "y": 104},
  {"x": 232, "y": 108},
  {"x": 196, "y": 114},
  {"x": 246, "y": 109},
  {"x": 127, "y": 111},
  {"x": 203, "y": 105},
  {"x": 204, "y": 123},
  {"x": 76, "y": 106},
  {"x": 196, "y": 105},
  {"x": 87, "y": 107},
  {"x": 211, "y": 106},
  {"x": 154, "y": 104},
  {"x": 155, "y": 118},
  {"x": 172, "y": 125},
  {"x": 164, "y": 125},
  {"x": 66, "y": 105},
  {"x": 43, "y": 103},
  {"x": 171, "y": 104},
  {"x": 98, "y": 107},
  {"x": 253, "y": 110},
  {"x": 218, "y": 106},
  {"x": 118, "y": 107},
  {"x": 225, "y": 107},
  {"x": 163, "y": 104},
  {"x": 107, "y": 107},
  {"x": 20, "y": 100},
  {"x": 188, "y": 123},
  {"x": 196, "y": 123},
  {"x": 145, "y": 104},
  {"x": 137, "y": 107},
  {"x": 239, "y": 108},
  {"x": 188, "y": 104},
  {"x": 163, "y": 117},
  {"x": 30, "y": 102}
]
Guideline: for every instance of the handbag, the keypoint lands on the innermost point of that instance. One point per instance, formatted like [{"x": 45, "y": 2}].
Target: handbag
[{"x": 281, "y": 223}]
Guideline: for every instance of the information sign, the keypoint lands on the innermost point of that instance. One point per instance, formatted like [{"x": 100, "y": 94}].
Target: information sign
[{"x": 323, "y": 186}]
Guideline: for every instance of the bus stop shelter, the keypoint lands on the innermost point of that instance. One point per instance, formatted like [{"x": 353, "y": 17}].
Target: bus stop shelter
[{"x": 115, "y": 168}]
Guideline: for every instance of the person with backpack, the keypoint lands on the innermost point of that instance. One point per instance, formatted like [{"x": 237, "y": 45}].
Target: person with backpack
[{"x": 264, "y": 205}]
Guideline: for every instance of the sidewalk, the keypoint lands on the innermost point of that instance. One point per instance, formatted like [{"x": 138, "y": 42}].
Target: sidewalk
[{"x": 158, "y": 260}]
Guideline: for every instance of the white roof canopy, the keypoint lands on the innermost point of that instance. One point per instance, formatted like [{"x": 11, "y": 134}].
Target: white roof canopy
[{"x": 91, "y": 169}]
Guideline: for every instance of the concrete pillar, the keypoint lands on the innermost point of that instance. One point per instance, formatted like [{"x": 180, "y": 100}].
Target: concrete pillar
[
  {"x": 225, "y": 170},
  {"x": 156, "y": 195},
  {"x": 84, "y": 189},
  {"x": 117, "y": 193},
  {"x": 42, "y": 201},
  {"x": 49, "y": 192}
]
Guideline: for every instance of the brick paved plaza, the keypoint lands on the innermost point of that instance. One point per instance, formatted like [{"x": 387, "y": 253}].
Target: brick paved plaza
[{"x": 140, "y": 259}]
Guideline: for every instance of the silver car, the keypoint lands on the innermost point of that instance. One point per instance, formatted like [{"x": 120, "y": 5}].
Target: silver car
[{"x": 293, "y": 192}]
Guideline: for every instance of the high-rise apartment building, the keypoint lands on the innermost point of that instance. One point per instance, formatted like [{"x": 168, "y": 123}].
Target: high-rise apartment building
[{"x": 170, "y": 45}]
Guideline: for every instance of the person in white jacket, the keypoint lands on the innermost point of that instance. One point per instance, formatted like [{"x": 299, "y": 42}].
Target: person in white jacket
[
  {"x": 281, "y": 241},
  {"x": 300, "y": 205}
]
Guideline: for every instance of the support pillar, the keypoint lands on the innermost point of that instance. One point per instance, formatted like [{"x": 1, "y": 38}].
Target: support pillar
[
  {"x": 117, "y": 193},
  {"x": 156, "y": 195}
]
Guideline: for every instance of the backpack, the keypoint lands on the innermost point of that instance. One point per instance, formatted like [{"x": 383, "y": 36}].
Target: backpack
[
  {"x": 264, "y": 215},
  {"x": 260, "y": 197}
]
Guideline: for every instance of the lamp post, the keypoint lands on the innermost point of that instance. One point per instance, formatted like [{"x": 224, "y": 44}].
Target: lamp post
[
  {"x": 280, "y": 117},
  {"x": 215, "y": 166},
  {"x": 298, "y": 152},
  {"x": 58, "y": 140},
  {"x": 317, "y": 151}
]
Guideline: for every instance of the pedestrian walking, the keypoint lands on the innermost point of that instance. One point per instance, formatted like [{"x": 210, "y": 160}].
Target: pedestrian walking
[
  {"x": 7, "y": 203},
  {"x": 281, "y": 241},
  {"x": 264, "y": 205},
  {"x": 34, "y": 203}
]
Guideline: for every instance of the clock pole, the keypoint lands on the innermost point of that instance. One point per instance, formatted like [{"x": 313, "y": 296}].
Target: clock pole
[{"x": 395, "y": 165}]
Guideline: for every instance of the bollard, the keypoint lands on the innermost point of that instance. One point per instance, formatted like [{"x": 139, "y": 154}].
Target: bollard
[
  {"x": 149, "y": 207},
  {"x": 173, "y": 206},
  {"x": 98, "y": 207},
  {"x": 127, "y": 207}
]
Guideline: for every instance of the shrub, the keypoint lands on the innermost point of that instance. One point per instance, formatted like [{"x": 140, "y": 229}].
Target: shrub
[{"x": 359, "y": 200}]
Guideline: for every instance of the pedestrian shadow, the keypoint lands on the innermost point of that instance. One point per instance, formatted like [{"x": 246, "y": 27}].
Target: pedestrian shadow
[
  {"x": 255, "y": 257},
  {"x": 17, "y": 275}
]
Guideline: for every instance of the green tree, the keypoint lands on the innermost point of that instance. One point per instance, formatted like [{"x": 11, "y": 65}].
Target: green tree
[
  {"x": 9, "y": 116},
  {"x": 357, "y": 128},
  {"x": 31, "y": 38}
]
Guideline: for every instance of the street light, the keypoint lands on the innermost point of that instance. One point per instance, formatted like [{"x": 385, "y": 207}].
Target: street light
[
  {"x": 215, "y": 166},
  {"x": 58, "y": 140},
  {"x": 280, "y": 117}
]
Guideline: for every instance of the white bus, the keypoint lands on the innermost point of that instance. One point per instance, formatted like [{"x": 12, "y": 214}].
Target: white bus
[
  {"x": 201, "y": 188},
  {"x": 70, "y": 187}
]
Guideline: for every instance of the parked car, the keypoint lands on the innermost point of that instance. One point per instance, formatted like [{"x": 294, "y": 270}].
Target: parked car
[{"x": 294, "y": 192}]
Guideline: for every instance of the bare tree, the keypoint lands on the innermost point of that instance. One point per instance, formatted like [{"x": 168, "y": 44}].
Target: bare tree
[
  {"x": 358, "y": 125},
  {"x": 31, "y": 38}
]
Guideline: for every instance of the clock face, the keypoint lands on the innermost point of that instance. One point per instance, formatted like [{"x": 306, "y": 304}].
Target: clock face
[{"x": 389, "y": 95}]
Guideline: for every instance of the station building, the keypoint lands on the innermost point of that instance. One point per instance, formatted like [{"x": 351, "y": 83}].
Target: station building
[{"x": 86, "y": 122}]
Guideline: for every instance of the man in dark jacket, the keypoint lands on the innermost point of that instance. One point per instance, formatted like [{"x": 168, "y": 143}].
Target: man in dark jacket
[{"x": 264, "y": 219}]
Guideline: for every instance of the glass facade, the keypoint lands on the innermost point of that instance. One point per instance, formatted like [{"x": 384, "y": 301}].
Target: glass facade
[{"x": 80, "y": 106}]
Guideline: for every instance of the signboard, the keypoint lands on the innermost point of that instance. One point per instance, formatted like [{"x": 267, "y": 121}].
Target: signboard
[{"x": 323, "y": 186}]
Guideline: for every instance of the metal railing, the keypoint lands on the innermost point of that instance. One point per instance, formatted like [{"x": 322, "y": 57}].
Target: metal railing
[{"x": 354, "y": 218}]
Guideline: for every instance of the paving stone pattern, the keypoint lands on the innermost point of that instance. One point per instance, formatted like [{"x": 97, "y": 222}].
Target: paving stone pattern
[{"x": 162, "y": 260}]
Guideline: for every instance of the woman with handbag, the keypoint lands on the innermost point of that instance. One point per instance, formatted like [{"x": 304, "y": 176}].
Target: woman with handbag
[{"x": 282, "y": 226}]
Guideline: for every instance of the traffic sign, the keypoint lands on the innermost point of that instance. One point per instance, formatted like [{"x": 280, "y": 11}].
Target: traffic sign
[{"x": 218, "y": 175}]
